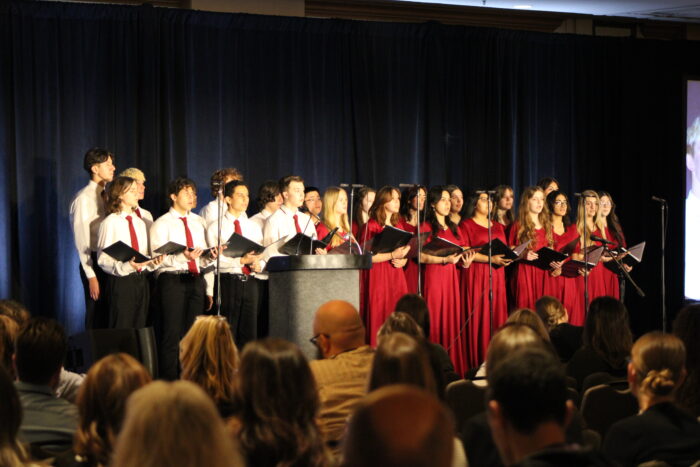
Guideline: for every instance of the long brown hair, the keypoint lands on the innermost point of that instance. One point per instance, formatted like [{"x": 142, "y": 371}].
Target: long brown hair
[
  {"x": 660, "y": 363},
  {"x": 116, "y": 188},
  {"x": 278, "y": 421},
  {"x": 401, "y": 359},
  {"x": 357, "y": 208},
  {"x": 500, "y": 194},
  {"x": 607, "y": 330},
  {"x": 209, "y": 357},
  {"x": 173, "y": 424},
  {"x": 102, "y": 403},
  {"x": 377, "y": 212},
  {"x": 526, "y": 229}
]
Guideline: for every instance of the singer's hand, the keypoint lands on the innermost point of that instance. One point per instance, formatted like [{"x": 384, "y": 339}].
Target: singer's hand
[
  {"x": 94, "y": 288},
  {"x": 157, "y": 260},
  {"x": 255, "y": 267},
  {"x": 138, "y": 266},
  {"x": 627, "y": 268},
  {"x": 582, "y": 272},
  {"x": 210, "y": 302},
  {"x": 399, "y": 262},
  {"x": 500, "y": 260},
  {"x": 555, "y": 272},
  {"x": 453, "y": 259},
  {"x": 468, "y": 258},
  {"x": 400, "y": 252},
  {"x": 193, "y": 255},
  {"x": 556, "y": 265},
  {"x": 531, "y": 255},
  {"x": 250, "y": 258},
  {"x": 321, "y": 251}
]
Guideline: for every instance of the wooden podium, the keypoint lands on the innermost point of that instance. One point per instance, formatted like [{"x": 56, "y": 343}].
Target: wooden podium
[{"x": 300, "y": 284}]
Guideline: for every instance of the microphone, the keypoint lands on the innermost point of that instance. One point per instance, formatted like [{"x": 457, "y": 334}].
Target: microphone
[
  {"x": 658, "y": 200},
  {"x": 578, "y": 195},
  {"x": 488, "y": 192},
  {"x": 596, "y": 238},
  {"x": 351, "y": 185},
  {"x": 408, "y": 185}
]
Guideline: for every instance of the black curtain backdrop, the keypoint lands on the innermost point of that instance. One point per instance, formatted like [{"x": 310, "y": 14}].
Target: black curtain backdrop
[{"x": 178, "y": 92}]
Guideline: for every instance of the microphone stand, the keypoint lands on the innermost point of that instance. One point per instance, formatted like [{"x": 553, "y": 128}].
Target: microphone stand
[
  {"x": 585, "y": 251},
  {"x": 418, "y": 240},
  {"x": 623, "y": 271},
  {"x": 352, "y": 187},
  {"x": 664, "y": 220},
  {"x": 219, "y": 194},
  {"x": 488, "y": 223}
]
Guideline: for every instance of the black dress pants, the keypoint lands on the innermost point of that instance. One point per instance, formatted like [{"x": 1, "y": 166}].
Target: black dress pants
[
  {"x": 240, "y": 302},
  {"x": 128, "y": 298}
]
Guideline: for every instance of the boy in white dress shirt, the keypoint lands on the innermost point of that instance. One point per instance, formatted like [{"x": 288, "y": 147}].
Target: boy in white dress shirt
[
  {"x": 288, "y": 221},
  {"x": 138, "y": 175},
  {"x": 86, "y": 213},
  {"x": 217, "y": 182}
]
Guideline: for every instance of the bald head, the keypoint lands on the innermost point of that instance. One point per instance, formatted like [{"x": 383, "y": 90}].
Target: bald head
[
  {"x": 382, "y": 432},
  {"x": 340, "y": 325}
]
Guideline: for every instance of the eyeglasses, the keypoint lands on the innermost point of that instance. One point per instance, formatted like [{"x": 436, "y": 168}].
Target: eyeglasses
[
  {"x": 314, "y": 340},
  {"x": 560, "y": 203}
]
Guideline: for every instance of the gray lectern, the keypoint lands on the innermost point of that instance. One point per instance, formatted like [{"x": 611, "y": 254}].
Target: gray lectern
[{"x": 300, "y": 284}]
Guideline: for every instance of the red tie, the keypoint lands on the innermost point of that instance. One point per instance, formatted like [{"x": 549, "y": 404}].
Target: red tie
[
  {"x": 237, "y": 227},
  {"x": 191, "y": 265},
  {"x": 132, "y": 234},
  {"x": 296, "y": 223},
  {"x": 138, "y": 213}
]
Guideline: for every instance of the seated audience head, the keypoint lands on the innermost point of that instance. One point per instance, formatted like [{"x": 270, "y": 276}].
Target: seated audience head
[
  {"x": 209, "y": 358},
  {"x": 401, "y": 359},
  {"x": 40, "y": 349},
  {"x": 415, "y": 305},
  {"x": 399, "y": 321},
  {"x": 530, "y": 318},
  {"x": 12, "y": 452},
  {"x": 687, "y": 327},
  {"x": 551, "y": 312},
  {"x": 607, "y": 330},
  {"x": 511, "y": 337},
  {"x": 14, "y": 310},
  {"x": 269, "y": 196},
  {"x": 102, "y": 402},
  {"x": 527, "y": 404},
  {"x": 292, "y": 189},
  {"x": 8, "y": 335},
  {"x": 337, "y": 328},
  {"x": 221, "y": 177},
  {"x": 657, "y": 368},
  {"x": 277, "y": 404},
  {"x": 399, "y": 425},
  {"x": 173, "y": 424}
]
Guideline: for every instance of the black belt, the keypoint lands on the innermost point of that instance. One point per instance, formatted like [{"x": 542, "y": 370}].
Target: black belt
[{"x": 240, "y": 277}]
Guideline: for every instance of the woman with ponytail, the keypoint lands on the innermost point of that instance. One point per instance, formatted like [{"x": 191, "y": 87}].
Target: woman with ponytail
[{"x": 662, "y": 431}]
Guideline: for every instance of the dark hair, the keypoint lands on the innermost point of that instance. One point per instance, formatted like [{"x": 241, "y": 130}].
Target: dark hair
[
  {"x": 434, "y": 195},
  {"x": 613, "y": 221},
  {"x": 267, "y": 193},
  {"x": 500, "y": 193},
  {"x": 687, "y": 327},
  {"x": 179, "y": 184},
  {"x": 530, "y": 387},
  {"x": 401, "y": 359},
  {"x": 278, "y": 422},
  {"x": 115, "y": 189},
  {"x": 529, "y": 318},
  {"x": 551, "y": 198},
  {"x": 546, "y": 181},
  {"x": 230, "y": 187},
  {"x": 218, "y": 177},
  {"x": 310, "y": 188},
  {"x": 39, "y": 350},
  {"x": 357, "y": 213},
  {"x": 407, "y": 196},
  {"x": 96, "y": 156},
  {"x": 102, "y": 404},
  {"x": 377, "y": 212},
  {"x": 415, "y": 305},
  {"x": 285, "y": 181},
  {"x": 607, "y": 330}
]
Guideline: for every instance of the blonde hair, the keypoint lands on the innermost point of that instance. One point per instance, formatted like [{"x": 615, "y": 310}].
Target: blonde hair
[
  {"x": 510, "y": 337},
  {"x": 526, "y": 228},
  {"x": 133, "y": 172},
  {"x": 209, "y": 357},
  {"x": 550, "y": 310},
  {"x": 529, "y": 318},
  {"x": 173, "y": 424},
  {"x": 660, "y": 363},
  {"x": 331, "y": 218},
  {"x": 581, "y": 218}
]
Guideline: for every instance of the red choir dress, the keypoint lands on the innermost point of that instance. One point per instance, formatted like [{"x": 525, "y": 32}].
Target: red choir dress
[
  {"x": 322, "y": 231},
  {"x": 411, "y": 268},
  {"x": 441, "y": 293},
  {"x": 381, "y": 287},
  {"x": 611, "y": 281},
  {"x": 596, "y": 277},
  {"x": 510, "y": 271},
  {"x": 475, "y": 290},
  {"x": 528, "y": 280},
  {"x": 568, "y": 290}
]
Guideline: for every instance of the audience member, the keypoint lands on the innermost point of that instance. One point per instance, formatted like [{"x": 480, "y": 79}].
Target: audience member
[
  {"x": 48, "y": 421},
  {"x": 687, "y": 328},
  {"x": 342, "y": 373},
  {"x": 14, "y": 310},
  {"x": 400, "y": 426},
  {"x": 661, "y": 431},
  {"x": 12, "y": 453},
  {"x": 101, "y": 406},
  {"x": 566, "y": 338},
  {"x": 173, "y": 424},
  {"x": 415, "y": 306},
  {"x": 277, "y": 405},
  {"x": 607, "y": 340},
  {"x": 530, "y": 318},
  {"x": 209, "y": 358},
  {"x": 528, "y": 412},
  {"x": 8, "y": 334}
]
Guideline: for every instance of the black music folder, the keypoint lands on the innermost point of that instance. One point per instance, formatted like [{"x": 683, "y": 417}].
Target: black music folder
[
  {"x": 348, "y": 247},
  {"x": 572, "y": 267},
  {"x": 442, "y": 247},
  {"x": 632, "y": 258},
  {"x": 387, "y": 240},
  {"x": 413, "y": 243},
  {"x": 123, "y": 252},
  {"x": 170, "y": 248},
  {"x": 301, "y": 244},
  {"x": 238, "y": 246},
  {"x": 545, "y": 256},
  {"x": 498, "y": 248}
]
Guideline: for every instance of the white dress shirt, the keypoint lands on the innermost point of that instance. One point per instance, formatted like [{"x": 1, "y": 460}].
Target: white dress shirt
[
  {"x": 146, "y": 216},
  {"x": 281, "y": 225},
  {"x": 170, "y": 228},
  {"x": 249, "y": 230},
  {"x": 86, "y": 213},
  {"x": 260, "y": 218},
  {"x": 208, "y": 212},
  {"x": 115, "y": 228}
]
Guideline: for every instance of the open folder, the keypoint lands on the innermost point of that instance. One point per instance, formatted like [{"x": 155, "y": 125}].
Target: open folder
[
  {"x": 572, "y": 267},
  {"x": 238, "y": 246},
  {"x": 545, "y": 256},
  {"x": 387, "y": 240},
  {"x": 632, "y": 257},
  {"x": 124, "y": 253},
  {"x": 442, "y": 247},
  {"x": 301, "y": 244}
]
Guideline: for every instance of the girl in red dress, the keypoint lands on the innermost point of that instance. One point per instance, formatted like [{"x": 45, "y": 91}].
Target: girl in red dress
[
  {"x": 588, "y": 207},
  {"x": 611, "y": 230},
  {"x": 534, "y": 227},
  {"x": 335, "y": 214},
  {"x": 442, "y": 282},
  {"x": 502, "y": 210},
  {"x": 385, "y": 283},
  {"x": 412, "y": 200},
  {"x": 565, "y": 289},
  {"x": 456, "y": 203},
  {"x": 475, "y": 280},
  {"x": 363, "y": 201}
]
